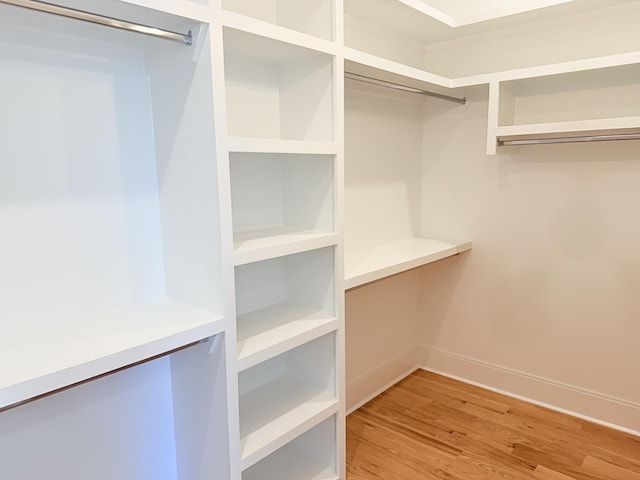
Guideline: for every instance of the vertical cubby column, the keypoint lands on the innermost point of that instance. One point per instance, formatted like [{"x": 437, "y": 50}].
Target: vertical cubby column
[{"x": 284, "y": 169}]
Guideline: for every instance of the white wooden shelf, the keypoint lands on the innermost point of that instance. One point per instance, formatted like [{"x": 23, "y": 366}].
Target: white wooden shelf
[
  {"x": 273, "y": 330},
  {"x": 59, "y": 354},
  {"x": 289, "y": 463},
  {"x": 270, "y": 243},
  {"x": 602, "y": 125},
  {"x": 364, "y": 63},
  {"x": 269, "y": 419},
  {"x": 277, "y": 32},
  {"x": 366, "y": 265},
  {"x": 268, "y": 145}
]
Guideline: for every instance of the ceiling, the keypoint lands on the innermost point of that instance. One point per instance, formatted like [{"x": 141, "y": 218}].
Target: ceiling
[
  {"x": 456, "y": 13},
  {"x": 434, "y": 21}
]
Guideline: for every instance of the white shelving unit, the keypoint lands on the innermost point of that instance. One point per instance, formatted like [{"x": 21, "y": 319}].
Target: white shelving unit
[
  {"x": 574, "y": 100},
  {"x": 280, "y": 84},
  {"x": 173, "y": 253},
  {"x": 112, "y": 253}
]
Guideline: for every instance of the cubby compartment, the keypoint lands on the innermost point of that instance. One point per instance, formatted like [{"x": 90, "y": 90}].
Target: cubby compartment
[
  {"x": 598, "y": 103},
  {"x": 285, "y": 396},
  {"x": 284, "y": 302},
  {"x": 612, "y": 92},
  {"x": 107, "y": 199},
  {"x": 277, "y": 90},
  {"x": 311, "y": 456},
  {"x": 313, "y": 17},
  {"x": 383, "y": 186},
  {"x": 163, "y": 420},
  {"x": 281, "y": 200}
]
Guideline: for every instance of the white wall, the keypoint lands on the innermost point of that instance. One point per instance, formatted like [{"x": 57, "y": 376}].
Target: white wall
[{"x": 546, "y": 305}]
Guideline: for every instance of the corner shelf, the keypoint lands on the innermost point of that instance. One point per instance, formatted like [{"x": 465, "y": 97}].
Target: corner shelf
[
  {"x": 81, "y": 350},
  {"x": 364, "y": 63},
  {"x": 370, "y": 264}
]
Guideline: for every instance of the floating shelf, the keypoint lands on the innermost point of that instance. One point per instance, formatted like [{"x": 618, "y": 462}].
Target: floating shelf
[
  {"x": 366, "y": 265},
  {"x": 81, "y": 350},
  {"x": 273, "y": 330}
]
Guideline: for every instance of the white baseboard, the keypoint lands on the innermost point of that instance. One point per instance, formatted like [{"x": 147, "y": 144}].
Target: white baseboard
[
  {"x": 592, "y": 406},
  {"x": 371, "y": 385}
]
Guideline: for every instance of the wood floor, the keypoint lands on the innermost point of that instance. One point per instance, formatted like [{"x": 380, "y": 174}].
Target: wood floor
[{"x": 431, "y": 427}]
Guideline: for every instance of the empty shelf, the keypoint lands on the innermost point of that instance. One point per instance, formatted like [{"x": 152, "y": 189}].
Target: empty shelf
[
  {"x": 289, "y": 463},
  {"x": 604, "y": 126},
  {"x": 366, "y": 265},
  {"x": 64, "y": 354},
  {"x": 270, "y": 243},
  {"x": 273, "y": 330},
  {"x": 268, "y": 145},
  {"x": 269, "y": 420}
]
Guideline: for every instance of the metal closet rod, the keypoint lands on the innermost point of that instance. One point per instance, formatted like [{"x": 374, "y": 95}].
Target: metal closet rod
[
  {"x": 575, "y": 139},
  {"x": 395, "y": 86},
  {"x": 184, "y": 38}
]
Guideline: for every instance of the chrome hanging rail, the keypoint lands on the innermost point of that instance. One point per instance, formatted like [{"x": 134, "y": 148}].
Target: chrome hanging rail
[
  {"x": 184, "y": 38},
  {"x": 383, "y": 83},
  {"x": 574, "y": 139}
]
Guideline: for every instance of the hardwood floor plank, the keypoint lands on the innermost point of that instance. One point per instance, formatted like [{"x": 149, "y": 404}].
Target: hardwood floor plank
[
  {"x": 432, "y": 427},
  {"x": 544, "y": 473},
  {"x": 609, "y": 470}
]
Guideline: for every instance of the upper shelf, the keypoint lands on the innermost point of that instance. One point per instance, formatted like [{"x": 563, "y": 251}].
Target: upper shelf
[
  {"x": 63, "y": 354},
  {"x": 366, "y": 265},
  {"x": 313, "y": 17}
]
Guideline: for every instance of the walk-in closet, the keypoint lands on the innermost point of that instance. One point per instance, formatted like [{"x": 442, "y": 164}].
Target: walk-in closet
[{"x": 237, "y": 234}]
